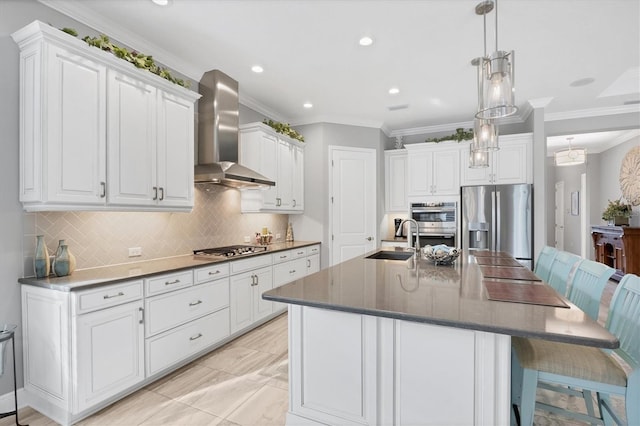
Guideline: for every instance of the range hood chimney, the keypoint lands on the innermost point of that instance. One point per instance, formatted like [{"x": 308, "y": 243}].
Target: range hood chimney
[{"x": 218, "y": 118}]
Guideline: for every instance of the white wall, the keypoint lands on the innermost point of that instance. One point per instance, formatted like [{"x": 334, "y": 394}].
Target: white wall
[
  {"x": 314, "y": 223},
  {"x": 609, "y": 164}
]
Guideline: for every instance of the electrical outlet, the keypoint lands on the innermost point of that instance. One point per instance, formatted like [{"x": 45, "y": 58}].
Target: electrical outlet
[
  {"x": 247, "y": 239},
  {"x": 135, "y": 251}
]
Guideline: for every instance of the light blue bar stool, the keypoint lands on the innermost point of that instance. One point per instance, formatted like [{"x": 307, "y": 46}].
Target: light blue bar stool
[{"x": 543, "y": 263}]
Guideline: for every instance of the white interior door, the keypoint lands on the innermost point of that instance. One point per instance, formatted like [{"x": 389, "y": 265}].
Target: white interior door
[
  {"x": 585, "y": 235},
  {"x": 560, "y": 215},
  {"x": 353, "y": 202}
]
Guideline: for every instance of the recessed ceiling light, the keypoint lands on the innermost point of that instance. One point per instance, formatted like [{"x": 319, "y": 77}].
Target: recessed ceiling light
[
  {"x": 366, "y": 41},
  {"x": 257, "y": 69},
  {"x": 582, "y": 82},
  {"x": 394, "y": 91},
  {"x": 162, "y": 2},
  {"x": 307, "y": 105}
]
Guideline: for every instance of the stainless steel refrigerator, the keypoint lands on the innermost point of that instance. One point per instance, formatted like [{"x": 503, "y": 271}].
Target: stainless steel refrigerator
[{"x": 498, "y": 217}]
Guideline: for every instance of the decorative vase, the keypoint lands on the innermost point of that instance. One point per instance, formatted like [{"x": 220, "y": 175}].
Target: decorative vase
[
  {"x": 289, "y": 237},
  {"x": 72, "y": 258},
  {"x": 621, "y": 220},
  {"x": 62, "y": 264},
  {"x": 41, "y": 259}
]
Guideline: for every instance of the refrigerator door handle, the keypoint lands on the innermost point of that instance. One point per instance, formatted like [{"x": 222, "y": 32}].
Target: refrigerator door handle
[
  {"x": 498, "y": 221},
  {"x": 493, "y": 221}
]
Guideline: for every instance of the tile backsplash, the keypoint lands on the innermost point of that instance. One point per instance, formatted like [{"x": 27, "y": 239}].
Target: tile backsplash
[{"x": 103, "y": 238}]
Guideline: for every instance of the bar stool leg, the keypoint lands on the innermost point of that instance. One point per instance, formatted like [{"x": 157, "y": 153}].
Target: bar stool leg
[{"x": 15, "y": 387}]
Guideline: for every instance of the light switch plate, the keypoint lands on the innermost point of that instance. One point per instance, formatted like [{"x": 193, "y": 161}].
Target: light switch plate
[{"x": 135, "y": 251}]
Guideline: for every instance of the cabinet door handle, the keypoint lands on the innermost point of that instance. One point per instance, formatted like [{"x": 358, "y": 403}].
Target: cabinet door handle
[
  {"x": 294, "y": 203},
  {"x": 197, "y": 302},
  {"x": 283, "y": 257},
  {"x": 161, "y": 193},
  {"x": 103, "y": 187},
  {"x": 308, "y": 263},
  {"x": 197, "y": 336},
  {"x": 300, "y": 253},
  {"x": 171, "y": 282},
  {"x": 155, "y": 193},
  {"x": 106, "y": 296},
  {"x": 293, "y": 271},
  {"x": 214, "y": 272},
  {"x": 141, "y": 320},
  {"x": 369, "y": 238}
]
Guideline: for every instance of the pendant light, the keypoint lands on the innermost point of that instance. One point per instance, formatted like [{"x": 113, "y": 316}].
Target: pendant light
[
  {"x": 496, "y": 77},
  {"x": 485, "y": 135},
  {"x": 571, "y": 156},
  {"x": 478, "y": 159}
]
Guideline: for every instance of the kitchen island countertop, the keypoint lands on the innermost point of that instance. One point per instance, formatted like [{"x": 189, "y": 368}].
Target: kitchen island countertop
[
  {"x": 453, "y": 296},
  {"x": 83, "y": 279}
]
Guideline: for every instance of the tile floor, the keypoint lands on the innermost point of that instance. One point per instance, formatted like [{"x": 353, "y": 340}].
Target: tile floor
[{"x": 243, "y": 383}]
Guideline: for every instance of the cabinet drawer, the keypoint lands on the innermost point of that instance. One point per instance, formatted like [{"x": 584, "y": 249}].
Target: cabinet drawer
[
  {"x": 311, "y": 250},
  {"x": 213, "y": 272},
  {"x": 282, "y": 256},
  {"x": 289, "y": 271},
  {"x": 253, "y": 262},
  {"x": 168, "y": 348},
  {"x": 168, "y": 282},
  {"x": 104, "y": 297},
  {"x": 172, "y": 309},
  {"x": 299, "y": 252}
]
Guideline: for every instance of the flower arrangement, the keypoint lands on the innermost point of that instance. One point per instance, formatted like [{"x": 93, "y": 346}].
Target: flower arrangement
[
  {"x": 138, "y": 59},
  {"x": 285, "y": 129},
  {"x": 616, "y": 209}
]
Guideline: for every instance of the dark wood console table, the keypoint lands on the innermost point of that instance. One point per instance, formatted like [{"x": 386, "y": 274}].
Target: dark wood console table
[{"x": 618, "y": 247}]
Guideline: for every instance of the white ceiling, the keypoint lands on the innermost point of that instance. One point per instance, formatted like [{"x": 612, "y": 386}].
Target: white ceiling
[{"x": 310, "y": 53}]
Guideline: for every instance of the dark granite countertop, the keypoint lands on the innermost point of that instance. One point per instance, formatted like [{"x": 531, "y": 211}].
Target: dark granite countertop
[
  {"x": 86, "y": 278},
  {"x": 453, "y": 296}
]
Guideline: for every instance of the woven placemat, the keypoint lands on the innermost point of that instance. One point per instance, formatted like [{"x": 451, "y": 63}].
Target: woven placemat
[{"x": 533, "y": 294}]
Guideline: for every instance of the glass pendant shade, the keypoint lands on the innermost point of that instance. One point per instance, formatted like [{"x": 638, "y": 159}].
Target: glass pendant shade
[
  {"x": 478, "y": 159},
  {"x": 570, "y": 157},
  {"x": 495, "y": 86},
  {"x": 485, "y": 136}
]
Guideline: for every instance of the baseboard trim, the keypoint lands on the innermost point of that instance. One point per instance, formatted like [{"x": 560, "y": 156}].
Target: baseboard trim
[{"x": 7, "y": 403}]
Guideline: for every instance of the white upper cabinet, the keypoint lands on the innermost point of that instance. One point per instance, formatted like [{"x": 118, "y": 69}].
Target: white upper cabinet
[
  {"x": 433, "y": 169},
  {"x": 276, "y": 157},
  {"x": 82, "y": 109},
  {"x": 508, "y": 165},
  {"x": 396, "y": 182}
]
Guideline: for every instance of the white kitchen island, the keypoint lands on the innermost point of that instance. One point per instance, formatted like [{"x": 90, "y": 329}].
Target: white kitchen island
[{"x": 386, "y": 342}]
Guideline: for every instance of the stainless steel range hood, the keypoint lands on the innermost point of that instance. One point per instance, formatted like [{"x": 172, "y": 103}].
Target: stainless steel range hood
[{"x": 218, "y": 119}]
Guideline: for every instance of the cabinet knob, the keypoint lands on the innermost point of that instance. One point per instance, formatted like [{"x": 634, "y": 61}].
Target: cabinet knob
[{"x": 369, "y": 238}]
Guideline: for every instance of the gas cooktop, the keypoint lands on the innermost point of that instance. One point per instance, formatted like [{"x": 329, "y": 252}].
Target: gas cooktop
[{"x": 229, "y": 251}]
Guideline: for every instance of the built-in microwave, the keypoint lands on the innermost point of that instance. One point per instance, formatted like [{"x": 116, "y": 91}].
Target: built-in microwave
[{"x": 436, "y": 222}]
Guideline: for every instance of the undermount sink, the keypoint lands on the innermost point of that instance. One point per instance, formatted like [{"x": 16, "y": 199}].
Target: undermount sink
[{"x": 391, "y": 255}]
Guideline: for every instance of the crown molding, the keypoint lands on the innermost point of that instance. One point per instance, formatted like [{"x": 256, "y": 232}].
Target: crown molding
[
  {"x": 593, "y": 112},
  {"x": 76, "y": 10},
  {"x": 627, "y": 136},
  {"x": 331, "y": 119}
]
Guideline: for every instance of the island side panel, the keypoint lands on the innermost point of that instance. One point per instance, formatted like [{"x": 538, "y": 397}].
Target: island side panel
[{"x": 405, "y": 372}]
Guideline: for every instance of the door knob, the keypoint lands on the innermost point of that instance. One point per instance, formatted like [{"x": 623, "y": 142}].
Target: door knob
[{"x": 369, "y": 238}]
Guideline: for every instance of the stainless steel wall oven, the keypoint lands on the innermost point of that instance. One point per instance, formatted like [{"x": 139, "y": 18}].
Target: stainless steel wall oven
[{"x": 436, "y": 221}]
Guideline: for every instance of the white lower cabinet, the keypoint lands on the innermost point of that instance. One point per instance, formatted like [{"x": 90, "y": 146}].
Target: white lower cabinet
[
  {"x": 247, "y": 305},
  {"x": 110, "y": 352},
  {"x": 249, "y": 279},
  {"x": 84, "y": 349},
  {"x": 351, "y": 369}
]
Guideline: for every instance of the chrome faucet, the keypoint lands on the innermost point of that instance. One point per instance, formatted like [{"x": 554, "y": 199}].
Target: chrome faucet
[{"x": 416, "y": 246}]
